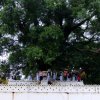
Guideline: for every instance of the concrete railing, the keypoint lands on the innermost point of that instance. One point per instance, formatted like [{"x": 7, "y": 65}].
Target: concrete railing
[{"x": 58, "y": 88}]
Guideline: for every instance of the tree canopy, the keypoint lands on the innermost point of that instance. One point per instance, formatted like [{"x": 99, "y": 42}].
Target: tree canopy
[{"x": 42, "y": 34}]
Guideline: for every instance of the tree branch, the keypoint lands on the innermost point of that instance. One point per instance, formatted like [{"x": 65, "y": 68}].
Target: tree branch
[
  {"x": 82, "y": 22},
  {"x": 97, "y": 51}
]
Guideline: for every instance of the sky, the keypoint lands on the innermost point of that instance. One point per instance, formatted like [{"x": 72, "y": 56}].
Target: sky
[{"x": 4, "y": 56}]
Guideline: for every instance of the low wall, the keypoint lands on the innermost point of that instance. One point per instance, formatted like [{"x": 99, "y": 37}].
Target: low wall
[{"x": 49, "y": 92}]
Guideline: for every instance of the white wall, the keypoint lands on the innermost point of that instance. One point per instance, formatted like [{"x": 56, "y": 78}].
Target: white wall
[
  {"x": 60, "y": 91},
  {"x": 49, "y": 96},
  {"x": 5, "y": 96}
]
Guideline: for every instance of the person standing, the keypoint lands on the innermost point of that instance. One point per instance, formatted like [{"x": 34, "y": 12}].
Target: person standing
[
  {"x": 40, "y": 75},
  {"x": 61, "y": 76},
  {"x": 54, "y": 75},
  {"x": 49, "y": 74},
  {"x": 78, "y": 78},
  {"x": 65, "y": 74},
  {"x": 37, "y": 76}
]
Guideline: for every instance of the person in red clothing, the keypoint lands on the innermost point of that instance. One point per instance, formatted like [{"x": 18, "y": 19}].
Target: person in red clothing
[
  {"x": 78, "y": 78},
  {"x": 65, "y": 74}
]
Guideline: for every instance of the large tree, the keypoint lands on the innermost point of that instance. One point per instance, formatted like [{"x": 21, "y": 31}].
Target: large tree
[{"x": 42, "y": 34}]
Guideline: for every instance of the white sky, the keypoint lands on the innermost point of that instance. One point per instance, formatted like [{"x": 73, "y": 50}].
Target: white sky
[{"x": 4, "y": 56}]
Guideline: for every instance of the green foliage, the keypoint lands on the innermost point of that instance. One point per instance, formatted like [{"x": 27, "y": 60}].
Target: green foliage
[
  {"x": 52, "y": 37},
  {"x": 34, "y": 53}
]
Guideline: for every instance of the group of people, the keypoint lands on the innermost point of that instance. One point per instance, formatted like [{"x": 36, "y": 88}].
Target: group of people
[{"x": 61, "y": 75}]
